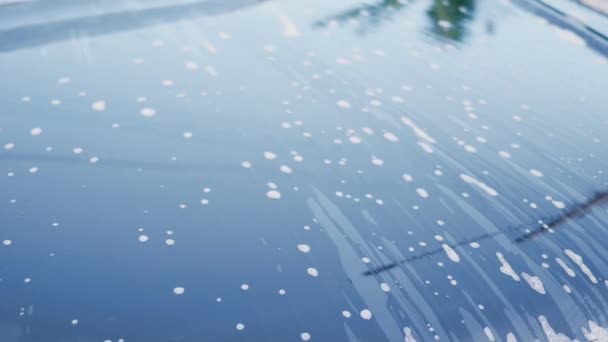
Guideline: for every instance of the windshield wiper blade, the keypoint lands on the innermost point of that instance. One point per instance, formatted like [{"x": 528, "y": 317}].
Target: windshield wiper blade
[
  {"x": 573, "y": 213},
  {"x": 576, "y": 211}
]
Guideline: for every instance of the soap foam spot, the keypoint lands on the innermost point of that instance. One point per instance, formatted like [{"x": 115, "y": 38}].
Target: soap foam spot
[
  {"x": 36, "y": 131},
  {"x": 147, "y": 112},
  {"x": 390, "y": 137},
  {"x": 343, "y": 104},
  {"x": 99, "y": 106},
  {"x": 273, "y": 194},
  {"x": 366, "y": 314},
  {"x": 304, "y": 248}
]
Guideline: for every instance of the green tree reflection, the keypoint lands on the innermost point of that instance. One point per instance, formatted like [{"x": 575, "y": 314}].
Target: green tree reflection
[
  {"x": 449, "y": 18},
  {"x": 368, "y": 16}
]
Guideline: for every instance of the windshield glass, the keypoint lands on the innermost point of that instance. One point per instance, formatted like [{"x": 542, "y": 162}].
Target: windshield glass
[{"x": 303, "y": 170}]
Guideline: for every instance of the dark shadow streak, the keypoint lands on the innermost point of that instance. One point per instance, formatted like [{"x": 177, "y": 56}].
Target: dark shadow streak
[
  {"x": 41, "y": 34},
  {"x": 428, "y": 254},
  {"x": 577, "y": 211},
  {"x": 592, "y": 8},
  {"x": 594, "y": 39}
]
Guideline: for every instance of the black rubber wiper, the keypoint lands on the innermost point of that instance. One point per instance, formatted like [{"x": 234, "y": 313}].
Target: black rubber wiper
[{"x": 576, "y": 211}]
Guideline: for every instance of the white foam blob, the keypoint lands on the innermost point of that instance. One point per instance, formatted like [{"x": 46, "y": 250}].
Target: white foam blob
[
  {"x": 269, "y": 155},
  {"x": 190, "y": 65},
  {"x": 366, "y": 314},
  {"x": 390, "y": 137},
  {"x": 273, "y": 194},
  {"x": 147, "y": 112},
  {"x": 343, "y": 104},
  {"x": 377, "y": 161},
  {"x": 99, "y": 106},
  {"x": 354, "y": 139},
  {"x": 506, "y": 267},
  {"x": 304, "y": 248},
  {"x": 451, "y": 253},
  {"x": 479, "y": 184},
  {"x": 535, "y": 283},
  {"x": 36, "y": 131},
  {"x": 536, "y": 173},
  {"x": 312, "y": 272},
  {"x": 422, "y": 193}
]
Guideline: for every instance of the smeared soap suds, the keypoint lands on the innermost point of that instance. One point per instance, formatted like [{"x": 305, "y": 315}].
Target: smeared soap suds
[
  {"x": 390, "y": 137},
  {"x": 506, "y": 267},
  {"x": 535, "y": 283},
  {"x": 595, "y": 332},
  {"x": 408, "y": 335},
  {"x": 419, "y": 132},
  {"x": 552, "y": 336},
  {"x": 577, "y": 259},
  {"x": 451, "y": 253},
  {"x": 567, "y": 269},
  {"x": 479, "y": 184}
]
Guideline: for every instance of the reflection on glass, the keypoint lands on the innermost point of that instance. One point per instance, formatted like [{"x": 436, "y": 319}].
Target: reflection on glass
[
  {"x": 368, "y": 17},
  {"x": 449, "y": 18},
  {"x": 112, "y": 21}
]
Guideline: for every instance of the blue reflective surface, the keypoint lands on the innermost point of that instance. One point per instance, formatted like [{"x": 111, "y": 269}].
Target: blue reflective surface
[{"x": 288, "y": 171}]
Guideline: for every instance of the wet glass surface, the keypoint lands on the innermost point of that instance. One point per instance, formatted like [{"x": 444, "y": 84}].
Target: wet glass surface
[{"x": 288, "y": 171}]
